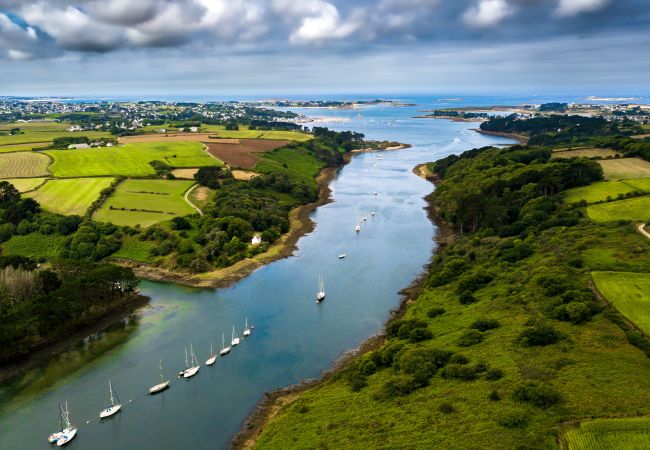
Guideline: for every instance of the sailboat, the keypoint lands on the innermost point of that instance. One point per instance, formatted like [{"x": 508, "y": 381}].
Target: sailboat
[
  {"x": 164, "y": 384},
  {"x": 212, "y": 357},
  {"x": 224, "y": 350},
  {"x": 247, "y": 331},
  {"x": 67, "y": 433},
  {"x": 357, "y": 228},
  {"x": 194, "y": 368},
  {"x": 372, "y": 214},
  {"x": 235, "y": 340},
  {"x": 114, "y": 408},
  {"x": 321, "y": 290}
]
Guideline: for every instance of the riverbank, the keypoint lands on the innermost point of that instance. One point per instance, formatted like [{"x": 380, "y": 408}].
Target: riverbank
[
  {"x": 55, "y": 345},
  {"x": 274, "y": 402},
  {"x": 523, "y": 140},
  {"x": 390, "y": 146}
]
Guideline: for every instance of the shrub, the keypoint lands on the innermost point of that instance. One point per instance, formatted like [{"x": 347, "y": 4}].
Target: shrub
[
  {"x": 399, "y": 386},
  {"x": 466, "y": 298},
  {"x": 459, "y": 359},
  {"x": 422, "y": 364},
  {"x": 473, "y": 281},
  {"x": 485, "y": 324},
  {"x": 537, "y": 394},
  {"x": 385, "y": 356},
  {"x": 420, "y": 334},
  {"x": 574, "y": 312},
  {"x": 539, "y": 336},
  {"x": 494, "y": 374},
  {"x": 459, "y": 372},
  {"x": 446, "y": 408},
  {"x": 494, "y": 395},
  {"x": 470, "y": 337},
  {"x": 435, "y": 312},
  {"x": 402, "y": 328},
  {"x": 513, "y": 420}
]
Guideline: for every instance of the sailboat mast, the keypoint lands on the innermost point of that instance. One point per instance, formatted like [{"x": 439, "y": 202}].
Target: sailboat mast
[
  {"x": 186, "y": 366},
  {"x": 110, "y": 390},
  {"x": 161, "y": 374},
  {"x": 61, "y": 416}
]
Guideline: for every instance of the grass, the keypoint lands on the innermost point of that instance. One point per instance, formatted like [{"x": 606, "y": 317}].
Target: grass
[
  {"x": 26, "y": 184},
  {"x": 603, "y": 190},
  {"x": 605, "y": 434},
  {"x": 129, "y": 160},
  {"x": 585, "y": 153},
  {"x": 623, "y": 168},
  {"x": 23, "y": 164},
  {"x": 290, "y": 160},
  {"x": 135, "y": 250},
  {"x": 635, "y": 209},
  {"x": 33, "y": 132},
  {"x": 35, "y": 245},
  {"x": 70, "y": 196},
  {"x": 629, "y": 293},
  {"x": 153, "y": 201}
]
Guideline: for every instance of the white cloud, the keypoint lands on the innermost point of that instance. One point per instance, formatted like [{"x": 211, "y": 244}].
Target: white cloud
[
  {"x": 318, "y": 21},
  {"x": 568, "y": 8},
  {"x": 20, "y": 43},
  {"x": 487, "y": 13},
  {"x": 124, "y": 12}
]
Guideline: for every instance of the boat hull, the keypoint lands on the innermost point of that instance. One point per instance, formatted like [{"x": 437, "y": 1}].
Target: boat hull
[
  {"x": 211, "y": 361},
  {"x": 110, "y": 411},
  {"x": 67, "y": 437},
  {"x": 191, "y": 372},
  {"x": 158, "y": 388},
  {"x": 235, "y": 342},
  {"x": 225, "y": 351},
  {"x": 247, "y": 332}
]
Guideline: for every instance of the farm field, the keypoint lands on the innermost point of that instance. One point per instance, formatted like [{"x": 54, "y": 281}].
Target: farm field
[
  {"x": 244, "y": 153},
  {"x": 600, "y": 191},
  {"x": 135, "y": 250},
  {"x": 606, "y": 434},
  {"x": 34, "y": 245},
  {"x": 585, "y": 152},
  {"x": 130, "y": 160},
  {"x": 26, "y": 184},
  {"x": 145, "y": 202},
  {"x": 23, "y": 164},
  {"x": 70, "y": 196},
  {"x": 636, "y": 209},
  {"x": 296, "y": 161},
  {"x": 41, "y": 133},
  {"x": 629, "y": 292},
  {"x": 216, "y": 136},
  {"x": 623, "y": 168},
  {"x": 186, "y": 174}
]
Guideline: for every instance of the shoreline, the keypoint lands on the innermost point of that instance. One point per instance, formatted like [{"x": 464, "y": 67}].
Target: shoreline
[
  {"x": 386, "y": 149},
  {"x": 272, "y": 402},
  {"x": 519, "y": 137}
]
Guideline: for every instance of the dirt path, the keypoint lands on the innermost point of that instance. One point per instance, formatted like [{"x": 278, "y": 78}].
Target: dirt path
[
  {"x": 643, "y": 231},
  {"x": 187, "y": 199}
]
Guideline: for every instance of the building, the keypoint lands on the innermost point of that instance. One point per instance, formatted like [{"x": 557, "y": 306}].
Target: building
[
  {"x": 77, "y": 146},
  {"x": 257, "y": 239}
]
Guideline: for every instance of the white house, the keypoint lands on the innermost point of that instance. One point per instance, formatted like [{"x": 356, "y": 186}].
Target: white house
[
  {"x": 257, "y": 239},
  {"x": 77, "y": 146},
  {"x": 194, "y": 129}
]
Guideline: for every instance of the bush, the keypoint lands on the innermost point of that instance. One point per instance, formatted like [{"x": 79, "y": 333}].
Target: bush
[
  {"x": 422, "y": 364},
  {"x": 470, "y": 337},
  {"x": 180, "y": 223},
  {"x": 446, "y": 408},
  {"x": 494, "y": 374},
  {"x": 402, "y": 328},
  {"x": 399, "y": 386},
  {"x": 537, "y": 394},
  {"x": 513, "y": 420},
  {"x": 473, "y": 281},
  {"x": 466, "y": 298},
  {"x": 485, "y": 324},
  {"x": 459, "y": 372},
  {"x": 574, "y": 312},
  {"x": 435, "y": 312},
  {"x": 420, "y": 334},
  {"x": 539, "y": 336},
  {"x": 494, "y": 395},
  {"x": 386, "y": 355},
  {"x": 459, "y": 359}
]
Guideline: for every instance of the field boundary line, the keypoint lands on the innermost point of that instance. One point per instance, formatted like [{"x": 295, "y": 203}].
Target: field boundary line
[
  {"x": 642, "y": 230},
  {"x": 187, "y": 199}
]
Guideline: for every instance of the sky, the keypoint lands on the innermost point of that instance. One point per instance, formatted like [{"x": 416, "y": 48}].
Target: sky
[{"x": 300, "y": 47}]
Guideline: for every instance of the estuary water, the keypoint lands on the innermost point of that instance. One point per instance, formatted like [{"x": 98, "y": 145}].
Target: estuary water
[{"x": 294, "y": 338}]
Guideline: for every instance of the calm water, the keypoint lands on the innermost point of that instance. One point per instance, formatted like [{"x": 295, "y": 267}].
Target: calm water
[{"x": 294, "y": 338}]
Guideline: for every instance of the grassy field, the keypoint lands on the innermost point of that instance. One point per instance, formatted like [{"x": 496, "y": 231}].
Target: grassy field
[
  {"x": 623, "y": 168},
  {"x": 35, "y": 245},
  {"x": 26, "y": 184},
  {"x": 610, "y": 434},
  {"x": 585, "y": 152},
  {"x": 296, "y": 161},
  {"x": 629, "y": 293},
  {"x": 636, "y": 209},
  {"x": 130, "y": 160},
  {"x": 70, "y": 196},
  {"x": 38, "y": 132},
  {"x": 135, "y": 250},
  {"x": 23, "y": 164},
  {"x": 600, "y": 191},
  {"x": 153, "y": 201},
  {"x": 242, "y": 133}
]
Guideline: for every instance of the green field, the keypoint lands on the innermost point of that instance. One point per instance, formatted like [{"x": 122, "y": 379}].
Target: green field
[
  {"x": 623, "y": 168},
  {"x": 295, "y": 161},
  {"x": 23, "y": 164},
  {"x": 610, "y": 434},
  {"x": 629, "y": 293},
  {"x": 600, "y": 191},
  {"x": 636, "y": 209},
  {"x": 70, "y": 196},
  {"x": 34, "y": 245},
  {"x": 154, "y": 201},
  {"x": 585, "y": 153},
  {"x": 37, "y": 132},
  {"x": 135, "y": 250},
  {"x": 129, "y": 160},
  {"x": 26, "y": 184}
]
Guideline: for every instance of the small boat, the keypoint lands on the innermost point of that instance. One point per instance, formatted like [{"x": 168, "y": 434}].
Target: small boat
[
  {"x": 342, "y": 255},
  {"x": 357, "y": 228},
  {"x": 194, "y": 368},
  {"x": 69, "y": 432},
  {"x": 365, "y": 219},
  {"x": 182, "y": 372},
  {"x": 164, "y": 384},
  {"x": 247, "y": 331},
  {"x": 114, "y": 408},
  {"x": 235, "y": 340},
  {"x": 320, "y": 296},
  {"x": 379, "y": 156},
  {"x": 52, "y": 438},
  {"x": 224, "y": 350},
  {"x": 212, "y": 357},
  {"x": 372, "y": 214}
]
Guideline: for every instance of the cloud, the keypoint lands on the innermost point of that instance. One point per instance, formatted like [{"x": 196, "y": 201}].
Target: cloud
[
  {"x": 20, "y": 43},
  {"x": 568, "y": 8},
  {"x": 318, "y": 21},
  {"x": 124, "y": 12},
  {"x": 487, "y": 13}
]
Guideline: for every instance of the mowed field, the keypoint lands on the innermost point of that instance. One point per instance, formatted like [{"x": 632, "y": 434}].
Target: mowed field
[
  {"x": 216, "y": 135},
  {"x": 242, "y": 153},
  {"x": 629, "y": 292},
  {"x": 585, "y": 153},
  {"x": 600, "y": 191},
  {"x": 41, "y": 133},
  {"x": 70, "y": 196},
  {"x": 129, "y": 160},
  {"x": 623, "y": 168},
  {"x": 145, "y": 202},
  {"x": 26, "y": 184},
  {"x": 23, "y": 164},
  {"x": 636, "y": 209},
  {"x": 610, "y": 434}
]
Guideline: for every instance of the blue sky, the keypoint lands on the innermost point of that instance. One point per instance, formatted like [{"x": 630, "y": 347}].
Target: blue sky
[{"x": 285, "y": 47}]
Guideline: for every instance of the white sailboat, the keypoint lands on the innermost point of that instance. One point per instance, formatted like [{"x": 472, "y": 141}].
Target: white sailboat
[
  {"x": 68, "y": 431},
  {"x": 321, "y": 290},
  {"x": 187, "y": 366},
  {"x": 224, "y": 350},
  {"x": 212, "y": 357},
  {"x": 342, "y": 256},
  {"x": 164, "y": 384},
  {"x": 247, "y": 331},
  {"x": 194, "y": 368},
  {"x": 357, "y": 228},
  {"x": 114, "y": 408},
  {"x": 372, "y": 214},
  {"x": 235, "y": 340}
]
